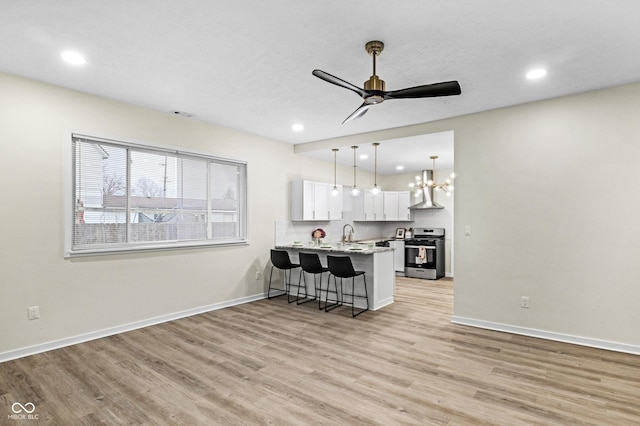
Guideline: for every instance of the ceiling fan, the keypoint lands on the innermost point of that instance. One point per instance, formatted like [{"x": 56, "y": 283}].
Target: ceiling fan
[{"x": 374, "y": 93}]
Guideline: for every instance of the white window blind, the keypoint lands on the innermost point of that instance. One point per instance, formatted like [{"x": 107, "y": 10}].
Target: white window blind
[{"x": 132, "y": 197}]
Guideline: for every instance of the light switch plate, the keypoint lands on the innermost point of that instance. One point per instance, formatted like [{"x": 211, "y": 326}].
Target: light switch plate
[{"x": 33, "y": 312}]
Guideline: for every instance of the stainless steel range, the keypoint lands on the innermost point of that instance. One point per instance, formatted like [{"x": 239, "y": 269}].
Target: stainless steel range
[{"x": 424, "y": 254}]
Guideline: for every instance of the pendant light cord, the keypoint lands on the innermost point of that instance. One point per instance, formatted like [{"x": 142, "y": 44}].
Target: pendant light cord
[
  {"x": 335, "y": 179},
  {"x": 354, "y": 165},
  {"x": 375, "y": 162}
]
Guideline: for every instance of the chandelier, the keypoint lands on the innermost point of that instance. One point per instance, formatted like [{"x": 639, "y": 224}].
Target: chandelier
[{"x": 424, "y": 183}]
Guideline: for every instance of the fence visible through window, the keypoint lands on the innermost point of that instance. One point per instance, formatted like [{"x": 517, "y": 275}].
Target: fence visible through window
[{"x": 127, "y": 196}]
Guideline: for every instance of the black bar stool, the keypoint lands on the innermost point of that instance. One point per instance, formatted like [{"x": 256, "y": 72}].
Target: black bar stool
[
  {"x": 310, "y": 263},
  {"x": 280, "y": 259},
  {"x": 342, "y": 267}
]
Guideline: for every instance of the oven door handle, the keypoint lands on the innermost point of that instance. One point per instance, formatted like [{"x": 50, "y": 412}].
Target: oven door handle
[{"x": 426, "y": 247}]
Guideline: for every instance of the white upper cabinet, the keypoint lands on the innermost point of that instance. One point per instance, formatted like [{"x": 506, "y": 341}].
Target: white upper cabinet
[
  {"x": 336, "y": 208},
  {"x": 314, "y": 201},
  {"x": 368, "y": 207},
  {"x": 373, "y": 206},
  {"x": 391, "y": 205},
  {"x": 404, "y": 201},
  {"x": 385, "y": 206}
]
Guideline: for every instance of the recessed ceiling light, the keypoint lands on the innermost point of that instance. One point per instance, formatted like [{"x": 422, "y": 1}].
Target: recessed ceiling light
[
  {"x": 536, "y": 73},
  {"x": 363, "y": 156},
  {"x": 73, "y": 58},
  {"x": 399, "y": 167},
  {"x": 297, "y": 127}
]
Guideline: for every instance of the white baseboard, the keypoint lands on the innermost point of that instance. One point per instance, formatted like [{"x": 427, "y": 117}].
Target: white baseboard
[
  {"x": 68, "y": 341},
  {"x": 382, "y": 303},
  {"x": 549, "y": 335}
]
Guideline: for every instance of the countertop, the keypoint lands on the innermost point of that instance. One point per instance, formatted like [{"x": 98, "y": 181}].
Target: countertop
[{"x": 353, "y": 248}]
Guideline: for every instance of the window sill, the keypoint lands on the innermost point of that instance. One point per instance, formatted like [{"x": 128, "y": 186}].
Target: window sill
[{"x": 149, "y": 248}]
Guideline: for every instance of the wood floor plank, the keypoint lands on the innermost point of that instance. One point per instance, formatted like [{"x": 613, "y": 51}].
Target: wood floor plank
[{"x": 270, "y": 362}]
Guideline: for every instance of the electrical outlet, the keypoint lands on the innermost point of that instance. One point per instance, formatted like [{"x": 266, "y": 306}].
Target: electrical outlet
[
  {"x": 524, "y": 302},
  {"x": 467, "y": 230},
  {"x": 33, "y": 312},
  {"x": 258, "y": 275}
]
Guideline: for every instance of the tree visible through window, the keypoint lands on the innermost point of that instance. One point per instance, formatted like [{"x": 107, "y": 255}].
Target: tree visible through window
[{"x": 129, "y": 196}]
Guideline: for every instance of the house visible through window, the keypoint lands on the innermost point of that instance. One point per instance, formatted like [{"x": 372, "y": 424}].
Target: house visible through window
[{"x": 128, "y": 197}]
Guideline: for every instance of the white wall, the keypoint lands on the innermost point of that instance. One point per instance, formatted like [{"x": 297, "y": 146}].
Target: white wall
[
  {"x": 549, "y": 188},
  {"x": 81, "y": 296},
  {"x": 550, "y": 192}
]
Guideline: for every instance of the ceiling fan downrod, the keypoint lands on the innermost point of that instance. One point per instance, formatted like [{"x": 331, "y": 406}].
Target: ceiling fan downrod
[{"x": 374, "y": 48}]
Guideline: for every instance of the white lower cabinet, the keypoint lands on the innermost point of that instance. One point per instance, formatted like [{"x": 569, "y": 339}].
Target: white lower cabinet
[{"x": 398, "y": 255}]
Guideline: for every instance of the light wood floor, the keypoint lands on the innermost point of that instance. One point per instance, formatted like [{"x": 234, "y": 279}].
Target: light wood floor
[{"x": 268, "y": 362}]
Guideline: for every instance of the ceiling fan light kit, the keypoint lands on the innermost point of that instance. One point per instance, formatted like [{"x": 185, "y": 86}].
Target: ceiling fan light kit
[{"x": 374, "y": 91}]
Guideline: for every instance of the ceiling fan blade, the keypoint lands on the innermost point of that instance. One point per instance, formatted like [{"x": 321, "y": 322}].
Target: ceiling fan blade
[
  {"x": 339, "y": 82},
  {"x": 362, "y": 109},
  {"x": 447, "y": 88}
]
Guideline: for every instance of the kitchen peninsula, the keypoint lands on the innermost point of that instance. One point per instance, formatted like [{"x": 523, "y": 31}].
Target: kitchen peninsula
[{"x": 377, "y": 262}]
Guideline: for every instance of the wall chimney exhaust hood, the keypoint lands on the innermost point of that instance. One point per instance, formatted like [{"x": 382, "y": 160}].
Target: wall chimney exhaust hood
[{"x": 426, "y": 194}]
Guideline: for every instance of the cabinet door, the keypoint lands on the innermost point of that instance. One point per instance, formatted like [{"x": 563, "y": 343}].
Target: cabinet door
[
  {"x": 390, "y": 199},
  {"x": 373, "y": 206},
  {"x": 313, "y": 201},
  {"x": 378, "y": 206},
  {"x": 308, "y": 190},
  {"x": 398, "y": 255},
  {"x": 357, "y": 207},
  {"x": 335, "y": 203},
  {"x": 321, "y": 193},
  {"x": 404, "y": 201},
  {"x": 368, "y": 205}
]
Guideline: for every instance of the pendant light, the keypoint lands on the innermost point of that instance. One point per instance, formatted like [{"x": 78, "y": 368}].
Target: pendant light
[
  {"x": 355, "y": 191},
  {"x": 335, "y": 191},
  {"x": 376, "y": 189}
]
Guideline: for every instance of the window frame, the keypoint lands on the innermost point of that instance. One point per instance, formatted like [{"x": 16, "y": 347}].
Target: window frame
[{"x": 136, "y": 247}]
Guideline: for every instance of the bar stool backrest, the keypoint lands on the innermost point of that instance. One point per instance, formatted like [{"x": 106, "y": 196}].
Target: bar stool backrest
[
  {"x": 341, "y": 266},
  {"x": 310, "y": 262},
  {"x": 280, "y": 259}
]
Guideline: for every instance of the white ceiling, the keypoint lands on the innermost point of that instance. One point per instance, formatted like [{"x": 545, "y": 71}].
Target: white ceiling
[
  {"x": 247, "y": 64},
  {"x": 410, "y": 152}
]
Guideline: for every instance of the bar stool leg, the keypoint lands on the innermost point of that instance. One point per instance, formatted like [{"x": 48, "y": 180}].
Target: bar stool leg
[
  {"x": 289, "y": 299},
  {"x": 283, "y": 292},
  {"x": 319, "y": 291},
  {"x": 366, "y": 297},
  {"x": 306, "y": 295},
  {"x": 327, "y": 306}
]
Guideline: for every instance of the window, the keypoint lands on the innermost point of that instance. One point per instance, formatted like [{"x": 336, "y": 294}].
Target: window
[{"x": 132, "y": 197}]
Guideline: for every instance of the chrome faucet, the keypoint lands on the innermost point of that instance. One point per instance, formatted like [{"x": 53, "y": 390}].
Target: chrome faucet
[{"x": 346, "y": 238}]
